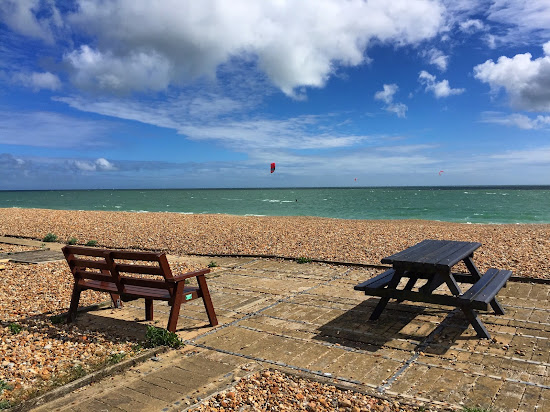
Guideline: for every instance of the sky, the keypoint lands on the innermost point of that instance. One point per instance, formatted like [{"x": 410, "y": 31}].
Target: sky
[{"x": 119, "y": 94}]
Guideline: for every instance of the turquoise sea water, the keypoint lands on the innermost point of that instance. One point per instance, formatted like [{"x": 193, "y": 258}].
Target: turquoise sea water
[{"x": 498, "y": 204}]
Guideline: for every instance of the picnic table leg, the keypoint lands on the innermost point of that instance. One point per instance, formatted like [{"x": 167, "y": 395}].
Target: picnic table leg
[
  {"x": 432, "y": 284},
  {"x": 471, "y": 314},
  {"x": 384, "y": 300},
  {"x": 473, "y": 318},
  {"x": 476, "y": 274},
  {"x": 410, "y": 284}
]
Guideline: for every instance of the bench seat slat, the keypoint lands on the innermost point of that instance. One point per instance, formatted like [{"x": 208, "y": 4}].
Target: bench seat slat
[
  {"x": 140, "y": 269},
  {"x": 98, "y": 285},
  {"x": 157, "y": 294},
  {"x": 376, "y": 282},
  {"x": 486, "y": 288},
  {"x": 129, "y": 255}
]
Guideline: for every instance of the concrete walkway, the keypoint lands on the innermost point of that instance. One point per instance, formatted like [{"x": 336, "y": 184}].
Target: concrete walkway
[{"x": 307, "y": 318}]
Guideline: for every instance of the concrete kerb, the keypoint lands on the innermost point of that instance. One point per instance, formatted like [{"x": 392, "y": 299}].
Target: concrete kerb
[
  {"x": 92, "y": 377},
  {"x": 88, "y": 379}
]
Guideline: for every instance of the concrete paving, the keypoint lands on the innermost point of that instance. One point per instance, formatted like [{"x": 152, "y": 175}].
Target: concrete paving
[{"x": 307, "y": 318}]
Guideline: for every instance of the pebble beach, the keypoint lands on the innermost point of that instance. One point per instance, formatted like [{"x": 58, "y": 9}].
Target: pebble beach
[{"x": 37, "y": 352}]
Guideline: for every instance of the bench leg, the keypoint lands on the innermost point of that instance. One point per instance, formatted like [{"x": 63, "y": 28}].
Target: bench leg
[
  {"x": 476, "y": 274},
  {"x": 148, "y": 309},
  {"x": 176, "y": 305},
  {"x": 201, "y": 280},
  {"x": 71, "y": 315},
  {"x": 473, "y": 318},
  {"x": 115, "y": 298},
  {"x": 384, "y": 300}
]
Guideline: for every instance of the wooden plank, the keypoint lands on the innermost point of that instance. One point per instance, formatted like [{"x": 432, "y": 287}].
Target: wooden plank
[
  {"x": 444, "y": 300},
  {"x": 462, "y": 251},
  {"x": 378, "y": 281},
  {"x": 139, "y": 269},
  {"x": 130, "y": 255},
  {"x": 486, "y": 288},
  {"x": 92, "y": 264},
  {"x": 148, "y": 283},
  {"x": 83, "y": 250},
  {"x": 404, "y": 254}
]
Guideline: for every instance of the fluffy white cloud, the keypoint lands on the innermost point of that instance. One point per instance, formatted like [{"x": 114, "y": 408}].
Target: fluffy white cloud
[
  {"x": 526, "y": 80},
  {"x": 132, "y": 45},
  {"x": 517, "y": 120},
  {"x": 437, "y": 58},
  {"x": 439, "y": 89},
  {"x": 38, "y": 81},
  {"x": 100, "y": 164},
  {"x": 386, "y": 95}
]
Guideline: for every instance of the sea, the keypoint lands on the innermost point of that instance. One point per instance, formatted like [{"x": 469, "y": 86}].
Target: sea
[{"x": 466, "y": 204}]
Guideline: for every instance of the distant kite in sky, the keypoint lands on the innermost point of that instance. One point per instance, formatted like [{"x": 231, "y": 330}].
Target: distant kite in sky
[
  {"x": 441, "y": 171},
  {"x": 272, "y": 167}
]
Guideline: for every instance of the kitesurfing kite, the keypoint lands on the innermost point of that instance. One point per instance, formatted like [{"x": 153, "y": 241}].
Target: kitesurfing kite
[
  {"x": 272, "y": 167},
  {"x": 441, "y": 171}
]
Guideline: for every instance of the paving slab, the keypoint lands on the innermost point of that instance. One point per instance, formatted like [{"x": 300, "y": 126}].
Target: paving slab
[{"x": 308, "y": 318}]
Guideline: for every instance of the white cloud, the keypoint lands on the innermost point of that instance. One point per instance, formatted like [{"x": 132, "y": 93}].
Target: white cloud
[
  {"x": 471, "y": 26},
  {"x": 104, "y": 164},
  {"x": 518, "y": 120},
  {"x": 524, "y": 20},
  {"x": 38, "y": 81},
  {"x": 134, "y": 46},
  {"x": 100, "y": 164},
  {"x": 540, "y": 155},
  {"x": 437, "y": 58},
  {"x": 439, "y": 89},
  {"x": 297, "y": 133},
  {"x": 526, "y": 80},
  {"x": 386, "y": 95},
  {"x": 21, "y": 16}
]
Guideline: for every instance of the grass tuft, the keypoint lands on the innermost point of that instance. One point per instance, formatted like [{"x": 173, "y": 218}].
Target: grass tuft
[
  {"x": 161, "y": 337},
  {"x": 50, "y": 237}
]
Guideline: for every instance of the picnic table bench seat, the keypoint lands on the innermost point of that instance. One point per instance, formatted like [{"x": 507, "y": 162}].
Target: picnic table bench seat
[
  {"x": 129, "y": 275},
  {"x": 377, "y": 282},
  {"x": 487, "y": 287}
]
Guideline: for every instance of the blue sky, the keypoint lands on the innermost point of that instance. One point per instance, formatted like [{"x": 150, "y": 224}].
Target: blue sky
[{"x": 187, "y": 94}]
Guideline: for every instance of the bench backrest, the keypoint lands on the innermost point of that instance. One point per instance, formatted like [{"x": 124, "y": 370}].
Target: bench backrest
[{"x": 145, "y": 269}]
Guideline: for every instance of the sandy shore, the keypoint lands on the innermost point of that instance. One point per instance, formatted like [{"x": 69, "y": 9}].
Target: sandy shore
[{"x": 524, "y": 249}]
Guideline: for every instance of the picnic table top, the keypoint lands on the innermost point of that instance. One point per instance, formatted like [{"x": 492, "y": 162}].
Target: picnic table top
[{"x": 433, "y": 253}]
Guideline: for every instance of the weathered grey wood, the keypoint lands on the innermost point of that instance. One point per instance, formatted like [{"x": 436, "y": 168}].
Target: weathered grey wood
[
  {"x": 378, "y": 281},
  {"x": 433, "y": 260}
]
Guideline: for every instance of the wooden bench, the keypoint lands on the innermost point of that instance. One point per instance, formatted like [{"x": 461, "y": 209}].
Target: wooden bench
[
  {"x": 130, "y": 275},
  {"x": 486, "y": 288}
]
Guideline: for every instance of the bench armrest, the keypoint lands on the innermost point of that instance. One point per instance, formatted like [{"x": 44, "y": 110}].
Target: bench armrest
[{"x": 188, "y": 275}]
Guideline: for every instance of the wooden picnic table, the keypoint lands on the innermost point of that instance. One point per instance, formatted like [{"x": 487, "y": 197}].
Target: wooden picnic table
[{"x": 433, "y": 261}]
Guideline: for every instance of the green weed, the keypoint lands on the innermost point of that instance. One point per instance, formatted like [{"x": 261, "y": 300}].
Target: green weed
[
  {"x": 116, "y": 357},
  {"x": 212, "y": 264},
  {"x": 161, "y": 337},
  {"x": 303, "y": 260},
  {"x": 14, "y": 328},
  {"x": 91, "y": 243},
  {"x": 50, "y": 237},
  {"x": 72, "y": 241}
]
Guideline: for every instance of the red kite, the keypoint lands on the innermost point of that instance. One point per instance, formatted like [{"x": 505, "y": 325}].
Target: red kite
[
  {"x": 441, "y": 171},
  {"x": 272, "y": 167}
]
